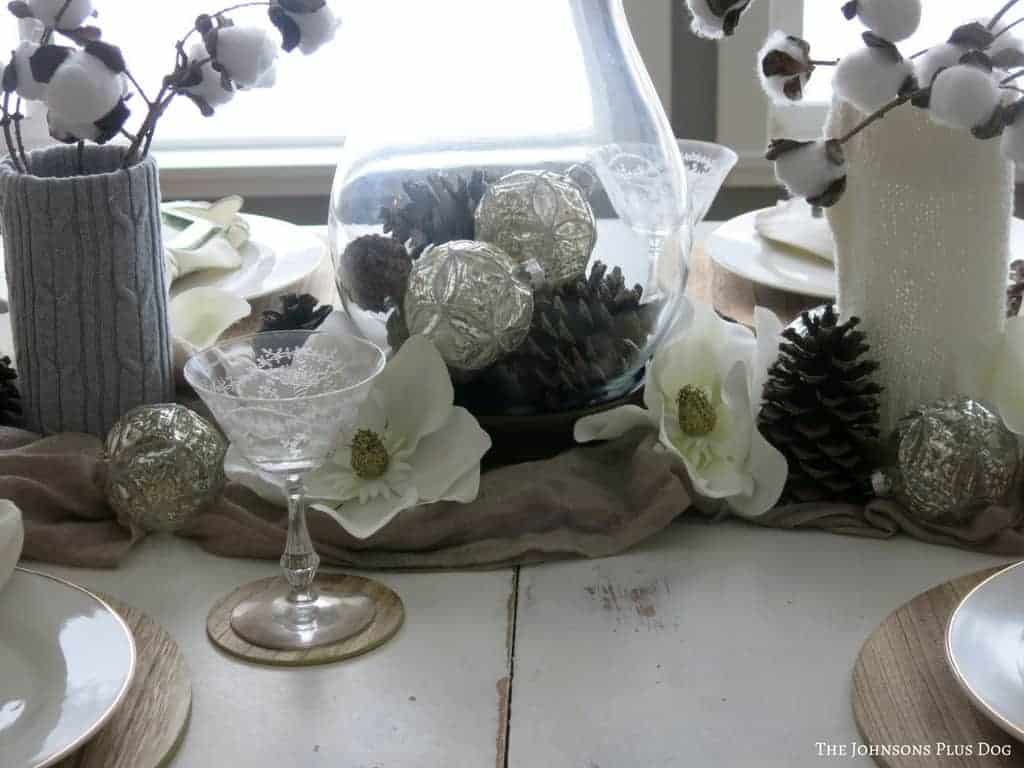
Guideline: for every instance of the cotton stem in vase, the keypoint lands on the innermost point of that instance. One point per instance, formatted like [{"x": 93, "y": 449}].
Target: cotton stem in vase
[{"x": 90, "y": 93}]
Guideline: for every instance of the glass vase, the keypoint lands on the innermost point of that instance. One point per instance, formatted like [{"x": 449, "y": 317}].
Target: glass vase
[{"x": 511, "y": 188}]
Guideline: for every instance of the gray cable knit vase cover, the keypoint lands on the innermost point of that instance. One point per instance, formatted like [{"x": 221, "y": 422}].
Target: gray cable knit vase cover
[{"x": 88, "y": 294}]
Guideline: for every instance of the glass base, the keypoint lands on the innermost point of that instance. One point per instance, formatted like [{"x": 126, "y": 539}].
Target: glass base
[{"x": 275, "y": 620}]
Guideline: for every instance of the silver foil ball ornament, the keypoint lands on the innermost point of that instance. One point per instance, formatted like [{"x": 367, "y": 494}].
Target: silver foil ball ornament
[
  {"x": 540, "y": 216},
  {"x": 165, "y": 465},
  {"x": 953, "y": 458},
  {"x": 472, "y": 300}
]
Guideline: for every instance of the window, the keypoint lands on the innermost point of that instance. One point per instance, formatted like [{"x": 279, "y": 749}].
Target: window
[
  {"x": 297, "y": 127},
  {"x": 747, "y": 120}
]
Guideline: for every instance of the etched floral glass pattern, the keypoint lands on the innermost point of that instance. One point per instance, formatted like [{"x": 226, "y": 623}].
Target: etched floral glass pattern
[
  {"x": 283, "y": 398},
  {"x": 707, "y": 166}
]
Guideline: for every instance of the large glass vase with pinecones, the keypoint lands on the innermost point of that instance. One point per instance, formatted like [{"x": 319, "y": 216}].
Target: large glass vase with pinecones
[{"x": 511, "y": 189}]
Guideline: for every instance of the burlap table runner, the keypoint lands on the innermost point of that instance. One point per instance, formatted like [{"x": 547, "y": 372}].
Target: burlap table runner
[{"x": 592, "y": 501}]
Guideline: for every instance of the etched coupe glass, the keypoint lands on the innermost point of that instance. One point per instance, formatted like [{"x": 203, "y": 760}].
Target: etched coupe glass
[{"x": 286, "y": 399}]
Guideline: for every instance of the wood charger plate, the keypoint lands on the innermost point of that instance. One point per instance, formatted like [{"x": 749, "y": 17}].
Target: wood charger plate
[
  {"x": 149, "y": 724},
  {"x": 387, "y": 621},
  {"x": 904, "y": 693}
]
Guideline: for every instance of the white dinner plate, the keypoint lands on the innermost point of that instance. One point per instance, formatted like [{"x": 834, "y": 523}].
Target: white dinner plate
[
  {"x": 66, "y": 661},
  {"x": 277, "y": 256},
  {"x": 985, "y": 648},
  {"x": 736, "y": 247}
]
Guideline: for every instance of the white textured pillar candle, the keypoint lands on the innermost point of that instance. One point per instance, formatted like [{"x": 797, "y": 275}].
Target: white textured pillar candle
[{"x": 922, "y": 239}]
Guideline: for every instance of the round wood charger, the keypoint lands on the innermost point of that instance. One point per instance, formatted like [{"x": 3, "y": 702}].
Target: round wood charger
[
  {"x": 904, "y": 692},
  {"x": 387, "y": 621},
  {"x": 149, "y": 724}
]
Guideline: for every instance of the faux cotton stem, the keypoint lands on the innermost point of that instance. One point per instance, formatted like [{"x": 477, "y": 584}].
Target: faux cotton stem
[
  {"x": 1002, "y": 12},
  {"x": 12, "y": 150},
  {"x": 876, "y": 116}
]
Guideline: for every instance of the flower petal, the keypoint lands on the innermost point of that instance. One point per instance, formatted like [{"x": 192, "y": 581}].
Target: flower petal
[
  {"x": 415, "y": 391},
  {"x": 444, "y": 456},
  {"x": 769, "y": 470},
  {"x": 716, "y": 479},
  {"x": 769, "y": 335},
  {"x": 609, "y": 425},
  {"x": 364, "y": 520}
]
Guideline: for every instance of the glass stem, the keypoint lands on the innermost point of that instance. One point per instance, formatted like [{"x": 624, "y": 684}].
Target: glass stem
[{"x": 299, "y": 561}]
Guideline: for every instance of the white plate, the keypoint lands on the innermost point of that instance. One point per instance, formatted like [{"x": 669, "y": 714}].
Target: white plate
[
  {"x": 66, "y": 661},
  {"x": 985, "y": 648},
  {"x": 277, "y": 256},
  {"x": 736, "y": 247}
]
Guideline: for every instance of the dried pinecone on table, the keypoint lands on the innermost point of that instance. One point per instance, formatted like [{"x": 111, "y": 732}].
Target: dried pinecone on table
[
  {"x": 374, "y": 272},
  {"x": 10, "y": 398},
  {"x": 298, "y": 313},
  {"x": 585, "y": 335},
  {"x": 821, "y": 409},
  {"x": 1015, "y": 290},
  {"x": 440, "y": 209}
]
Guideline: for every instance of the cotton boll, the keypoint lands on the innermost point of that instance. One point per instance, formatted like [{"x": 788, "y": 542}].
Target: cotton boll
[
  {"x": 211, "y": 89},
  {"x": 784, "y": 67},
  {"x": 870, "y": 78},
  {"x": 84, "y": 89},
  {"x": 963, "y": 97},
  {"x": 716, "y": 18},
  {"x": 267, "y": 80},
  {"x": 809, "y": 170},
  {"x": 892, "y": 20},
  {"x": 28, "y": 87},
  {"x": 69, "y": 131},
  {"x": 245, "y": 53},
  {"x": 74, "y": 17},
  {"x": 316, "y": 29},
  {"x": 938, "y": 57}
]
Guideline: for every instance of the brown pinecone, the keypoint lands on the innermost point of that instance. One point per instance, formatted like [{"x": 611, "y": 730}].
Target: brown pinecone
[
  {"x": 298, "y": 313},
  {"x": 439, "y": 209},
  {"x": 585, "y": 336},
  {"x": 1015, "y": 290},
  {"x": 821, "y": 409},
  {"x": 10, "y": 398},
  {"x": 374, "y": 272}
]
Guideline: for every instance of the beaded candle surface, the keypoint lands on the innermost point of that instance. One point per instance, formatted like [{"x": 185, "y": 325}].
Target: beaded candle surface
[{"x": 922, "y": 246}]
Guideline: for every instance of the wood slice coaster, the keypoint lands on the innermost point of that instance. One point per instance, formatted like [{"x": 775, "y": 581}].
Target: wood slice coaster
[
  {"x": 904, "y": 692},
  {"x": 149, "y": 724},
  {"x": 387, "y": 621}
]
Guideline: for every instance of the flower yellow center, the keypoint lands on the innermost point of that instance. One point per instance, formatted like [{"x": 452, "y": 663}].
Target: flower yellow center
[
  {"x": 696, "y": 414},
  {"x": 370, "y": 458}
]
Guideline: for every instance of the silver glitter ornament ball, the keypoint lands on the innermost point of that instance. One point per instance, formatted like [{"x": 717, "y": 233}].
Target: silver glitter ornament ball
[
  {"x": 953, "y": 457},
  {"x": 471, "y": 300},
  {"x": 542, "y": 216},
  {"x": 165, "y": 464}
]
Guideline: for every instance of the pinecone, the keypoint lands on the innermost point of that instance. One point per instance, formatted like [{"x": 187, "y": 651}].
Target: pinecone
[
  {"x": 440, "y": 209},
  {"x": 298, "y": 313},
  {"x": 585, "y": 336},
  {"x": 10, "y": 398},
  {"x": 1015, "y": 290},
  {"x": 374, "y": 272},
  {"x": 821, "y": 409}
]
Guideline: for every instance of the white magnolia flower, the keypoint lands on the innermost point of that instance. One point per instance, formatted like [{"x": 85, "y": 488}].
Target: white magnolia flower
[
  {"x": 28, "y": 87},
  {"x": 892, "y": 20},
  {"x": 815, "y": 170},
  {"x": 308, "y": 24},
  {"x": 411, "y": 446},
  {"x": 84, "y": 89},
  {"x": 703, "y": 395},
  {"x": 869, "y": 78},
  {"x": 716, "y": 18},
  {"x": 211, "y": 89},
  {"x": 784, "y": 67},
  {"x": 74, "y": 16},
  {"x": 245, "y": 54},
  {"x": 964, "y": 97}
]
